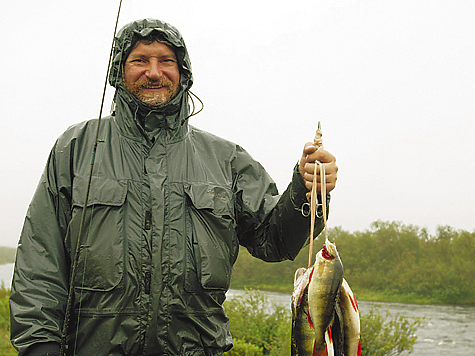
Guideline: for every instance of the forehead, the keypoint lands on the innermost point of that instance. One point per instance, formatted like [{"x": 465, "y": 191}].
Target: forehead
[{"x": 154, "y": 48}]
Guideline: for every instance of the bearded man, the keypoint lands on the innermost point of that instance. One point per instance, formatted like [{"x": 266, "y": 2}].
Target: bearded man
[{"x": 168, "y": 207}]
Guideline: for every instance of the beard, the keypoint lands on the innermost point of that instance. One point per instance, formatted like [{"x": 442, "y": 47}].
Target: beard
[{"x": 154, "y": 100}]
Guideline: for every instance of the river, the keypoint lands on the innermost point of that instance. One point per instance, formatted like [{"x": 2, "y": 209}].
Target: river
[{"x": 450, "y": 330}]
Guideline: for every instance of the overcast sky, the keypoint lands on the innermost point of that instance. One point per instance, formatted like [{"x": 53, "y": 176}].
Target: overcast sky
[{"x": 392, "y": 82}]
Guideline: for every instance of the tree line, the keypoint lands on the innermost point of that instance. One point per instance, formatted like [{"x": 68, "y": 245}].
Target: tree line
[
  {"x": 389, "y": 261},
  {"x": 7, "y": 255}
]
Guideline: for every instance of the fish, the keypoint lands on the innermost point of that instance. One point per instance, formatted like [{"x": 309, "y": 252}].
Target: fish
[
  {"x": 323, "y": 290},
  {"x": 302, "y": 336},
  {"x": 351, "y": 321},
  {"x": 316, "y": 290}
]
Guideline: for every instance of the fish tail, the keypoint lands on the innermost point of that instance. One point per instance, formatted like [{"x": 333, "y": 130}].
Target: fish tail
[
  {"x": 328, "y": 349},
  {"x": 320, "y": 352}
]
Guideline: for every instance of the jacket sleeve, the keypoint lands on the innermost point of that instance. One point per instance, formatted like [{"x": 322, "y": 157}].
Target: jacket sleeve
[
  {"x": 271, "y": 226},
  {"x": 41, "y": 273}
]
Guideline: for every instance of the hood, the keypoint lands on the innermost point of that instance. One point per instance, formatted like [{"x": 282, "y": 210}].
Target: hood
[
  {"x": 132, "y": 32},
  {"x": 152, "y": 120}
]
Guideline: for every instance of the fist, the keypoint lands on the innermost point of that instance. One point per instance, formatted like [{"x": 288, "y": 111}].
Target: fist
[{"x": 307, "y": 167}]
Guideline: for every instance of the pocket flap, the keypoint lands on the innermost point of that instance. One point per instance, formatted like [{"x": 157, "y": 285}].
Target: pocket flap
[
  {"x": 206, "y": 196},
  {"x": 103, "y": 191}
]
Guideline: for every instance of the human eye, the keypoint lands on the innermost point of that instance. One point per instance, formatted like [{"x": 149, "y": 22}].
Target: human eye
[
  {"x": 138, "y": 60},
  {"x": 169, "y": 61}
]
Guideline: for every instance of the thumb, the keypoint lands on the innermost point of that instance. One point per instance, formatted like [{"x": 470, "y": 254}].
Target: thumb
[{"x": 309, "y": 148}]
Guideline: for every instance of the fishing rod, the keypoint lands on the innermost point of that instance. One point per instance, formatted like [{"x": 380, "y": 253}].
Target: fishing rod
[{"x": 67, "y": 314}]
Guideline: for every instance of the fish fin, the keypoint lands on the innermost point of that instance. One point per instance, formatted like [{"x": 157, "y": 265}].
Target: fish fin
[
  {"x": 319, "y": 352},
  {"x": 310, "y": 322},
  {"x": 328, "y": 350},
  {"x": 329, "y": 342},
  {"x": 354, "y": 303}
]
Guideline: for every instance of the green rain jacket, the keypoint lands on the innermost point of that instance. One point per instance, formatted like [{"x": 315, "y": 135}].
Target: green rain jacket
[{"x": 169, "y": 205}]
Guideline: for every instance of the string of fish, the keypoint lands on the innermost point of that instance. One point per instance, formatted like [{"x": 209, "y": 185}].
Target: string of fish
[{"x": 325, "y": 316}]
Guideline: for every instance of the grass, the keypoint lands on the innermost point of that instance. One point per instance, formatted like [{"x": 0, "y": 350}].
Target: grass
[{"x": 6, "y": 348}]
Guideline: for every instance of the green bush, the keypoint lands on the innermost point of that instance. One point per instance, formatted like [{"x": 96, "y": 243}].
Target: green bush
[
  {"x": 242, "y": 348},
  {"x": 254, "y": 320},
  {"x": 388, "y": 335}
]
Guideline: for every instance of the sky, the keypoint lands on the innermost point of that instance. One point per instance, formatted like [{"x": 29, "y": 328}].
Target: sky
[{"x": 392, "y": 83}]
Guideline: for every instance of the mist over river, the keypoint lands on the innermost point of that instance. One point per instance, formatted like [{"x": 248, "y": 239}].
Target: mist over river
[{"x": 450, "y": 330}]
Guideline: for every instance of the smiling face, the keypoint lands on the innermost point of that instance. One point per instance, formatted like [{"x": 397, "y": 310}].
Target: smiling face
[{"x": 151, "y": 73}]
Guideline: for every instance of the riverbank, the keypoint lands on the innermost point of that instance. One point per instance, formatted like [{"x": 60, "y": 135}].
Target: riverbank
[{"x": 361, "y": 295}]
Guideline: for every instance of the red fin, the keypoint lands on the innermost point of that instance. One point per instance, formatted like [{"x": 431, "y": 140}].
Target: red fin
[
  {"x": 319, "y": 352},
  {"x": 310, "y": 321},
  {"x": 358, "y": 353},
  {"x": 311, "y": 273},
  {"x": 354, "y": 303}
]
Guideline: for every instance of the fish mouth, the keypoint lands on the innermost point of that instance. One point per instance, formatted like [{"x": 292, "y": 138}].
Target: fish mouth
[{"x": 328, "y": 251}]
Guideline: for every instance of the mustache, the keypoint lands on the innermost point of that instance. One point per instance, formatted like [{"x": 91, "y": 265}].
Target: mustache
[{"x": 155, "y": 84}]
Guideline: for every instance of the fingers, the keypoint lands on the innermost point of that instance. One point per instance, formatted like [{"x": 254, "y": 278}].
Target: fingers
[
  {"x": 331, "y": 170},
  {"x": 308, "y": 149},
  {"x": 307, "y": 164},
  {"x": 321, "y": 155},
  {"x": 311, "y": 154}
]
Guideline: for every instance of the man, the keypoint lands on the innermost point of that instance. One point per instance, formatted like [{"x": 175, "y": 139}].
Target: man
[{"x": 168, "y": 207}]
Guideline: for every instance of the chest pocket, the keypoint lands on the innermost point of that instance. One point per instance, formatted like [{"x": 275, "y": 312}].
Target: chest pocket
[
  {"x": 212, "y": 245},
  {"x": 101, "y": 259}
]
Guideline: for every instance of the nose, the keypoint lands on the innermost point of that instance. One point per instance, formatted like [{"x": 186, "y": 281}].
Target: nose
[{"x": 154, "y": 70}]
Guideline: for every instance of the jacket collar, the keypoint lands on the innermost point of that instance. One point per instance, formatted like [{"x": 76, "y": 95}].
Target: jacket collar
[{"x": 138, "y": 121}]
